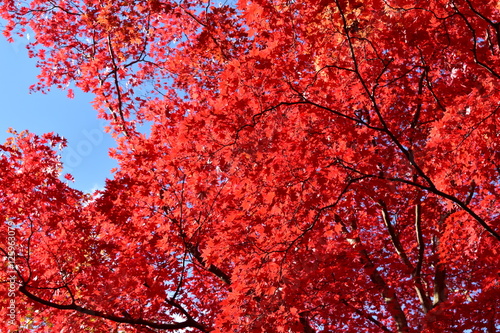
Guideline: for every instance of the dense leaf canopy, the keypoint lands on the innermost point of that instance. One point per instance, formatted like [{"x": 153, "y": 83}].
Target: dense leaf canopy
[{"x": 284, "y": 166}]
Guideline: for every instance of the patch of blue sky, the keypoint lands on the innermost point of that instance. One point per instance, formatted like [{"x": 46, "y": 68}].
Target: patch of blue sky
[{"x": 86, "y": 156}]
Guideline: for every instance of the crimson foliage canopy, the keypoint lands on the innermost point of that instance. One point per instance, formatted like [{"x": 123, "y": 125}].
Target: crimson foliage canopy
[{"x": 308, "y": 166}]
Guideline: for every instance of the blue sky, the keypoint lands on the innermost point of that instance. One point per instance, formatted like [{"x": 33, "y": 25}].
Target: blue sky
[{"x": 86, "y": 156}]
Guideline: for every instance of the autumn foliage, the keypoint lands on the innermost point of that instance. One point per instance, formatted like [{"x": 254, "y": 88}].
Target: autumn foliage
[{"x": 284, "y": 166}]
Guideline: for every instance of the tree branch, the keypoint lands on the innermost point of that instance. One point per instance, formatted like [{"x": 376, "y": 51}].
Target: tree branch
[
  {"x": 389, "y": 296},
  {"x": 394, "y": 238},
  {"x": 367, "y": 316},
  {"x": 422, "y": 295},
  {"x": 189, "y": 322}
]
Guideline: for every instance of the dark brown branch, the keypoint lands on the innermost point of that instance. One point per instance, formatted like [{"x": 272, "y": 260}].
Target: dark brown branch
[
  {"x": 394, "y": 238},
  {"x": 439, "y": 284},
  {"x": 193, "y": 250},
  {"x": 117, "y": 87},
  {"x": 305, "y": 323},
  {"x": 495, "y": 25},
  {"x": 474, "y": 47},
  {"x": 367, "y": 316},
  {"x": 207, "y": 27},
  {"x": 385, "y": 128},
  {"x": 408, "y": 155},
  {"x": 420, "y": 240},
  {"x": 416, "y": 116},
  {"x": 28, "y": 250},
  {"x": 189, "y": 322},
  {"x": 466, "y": 208},
  {"x": 389, "y": 296},
  {"x": 475, "y": 127},
  {"x": 422, "y": 295},
  {"x": 439, "y": 267},
  {"x": 419, "y": 288}
]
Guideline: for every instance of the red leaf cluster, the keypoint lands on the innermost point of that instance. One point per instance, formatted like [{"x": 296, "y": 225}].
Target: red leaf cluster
[{"x": 309, "y": 166}]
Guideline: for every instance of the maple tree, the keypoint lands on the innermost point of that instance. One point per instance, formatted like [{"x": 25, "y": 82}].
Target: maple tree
[{"x": 314, "y": 166}]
